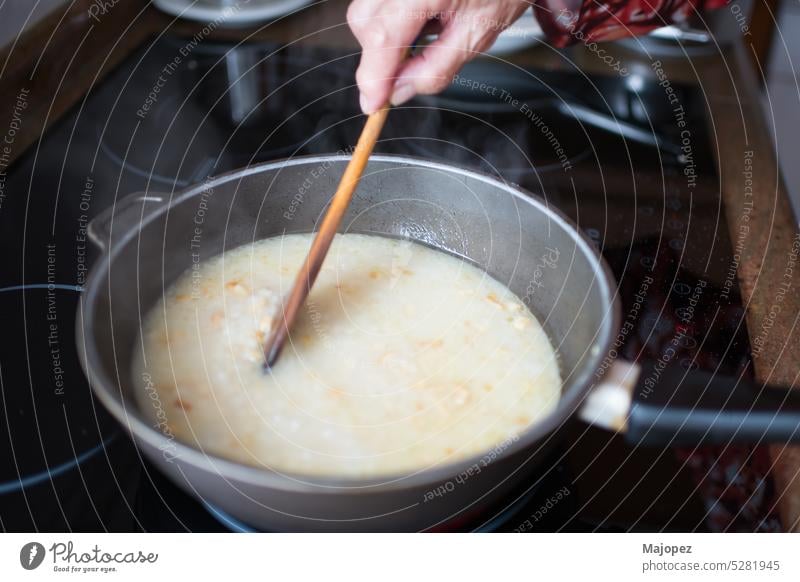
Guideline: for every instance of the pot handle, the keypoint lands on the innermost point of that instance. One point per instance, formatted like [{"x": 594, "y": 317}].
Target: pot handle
[
  {"x": 656, "y": 404},
  {"x": 609, "y": 401},
  {"x": 673, "y": 405},
  {"x": 131, "y": 210}
]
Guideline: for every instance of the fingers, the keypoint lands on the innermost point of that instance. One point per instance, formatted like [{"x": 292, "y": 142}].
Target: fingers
[
  {"x": 384, "y": 34},
  {"x": 433, "y": 70},
  {"x": 386, "y": 28}
]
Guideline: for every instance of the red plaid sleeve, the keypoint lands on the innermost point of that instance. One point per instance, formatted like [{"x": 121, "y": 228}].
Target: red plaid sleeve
[{"x": 566, "y": 22}]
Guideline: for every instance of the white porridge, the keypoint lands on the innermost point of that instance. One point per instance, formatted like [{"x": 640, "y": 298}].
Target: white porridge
[{"x": 402, "y": 358}]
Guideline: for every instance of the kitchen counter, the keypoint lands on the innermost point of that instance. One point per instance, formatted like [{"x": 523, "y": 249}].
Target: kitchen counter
[{"x": 54, "y": 65}]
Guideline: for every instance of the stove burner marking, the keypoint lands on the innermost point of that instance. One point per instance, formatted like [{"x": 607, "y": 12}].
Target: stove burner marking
[
  {"x": 77, "y": 288},
  {"x": 35, "y": 479},
  {"x": 231, "y": 523}
]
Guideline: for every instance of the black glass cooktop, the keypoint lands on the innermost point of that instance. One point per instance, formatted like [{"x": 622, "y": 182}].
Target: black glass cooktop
[{"x": 609, "y": 151}]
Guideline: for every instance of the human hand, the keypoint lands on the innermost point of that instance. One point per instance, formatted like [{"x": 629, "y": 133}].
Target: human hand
[{"x": 385, "y": 28}]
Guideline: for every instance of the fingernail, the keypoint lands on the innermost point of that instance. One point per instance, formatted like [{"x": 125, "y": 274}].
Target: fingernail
[
  {"x": 402, "y": 93},
  {"x": 365, "y": 104}
]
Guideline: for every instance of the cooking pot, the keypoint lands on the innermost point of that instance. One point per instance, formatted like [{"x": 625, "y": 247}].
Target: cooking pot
[{"x": 150, "y": 239}]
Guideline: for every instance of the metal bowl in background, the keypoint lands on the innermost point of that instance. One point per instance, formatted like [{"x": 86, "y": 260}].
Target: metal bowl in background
[{"x": 230, "y": 13}]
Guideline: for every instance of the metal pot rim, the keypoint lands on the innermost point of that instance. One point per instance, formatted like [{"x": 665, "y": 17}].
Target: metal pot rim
[{"x": 264, "y": 477}]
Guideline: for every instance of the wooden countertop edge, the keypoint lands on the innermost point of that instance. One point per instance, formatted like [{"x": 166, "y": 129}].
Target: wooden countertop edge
[
  {"x": 764, "y": 232},
  {"x": 53, "y": 65}
]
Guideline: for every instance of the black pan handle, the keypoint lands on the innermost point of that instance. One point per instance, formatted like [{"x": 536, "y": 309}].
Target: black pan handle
[{"x": 672, "y": 405}]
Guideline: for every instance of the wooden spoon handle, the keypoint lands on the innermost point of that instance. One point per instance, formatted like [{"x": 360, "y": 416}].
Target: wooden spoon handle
[{"x": 322, "y": 241}]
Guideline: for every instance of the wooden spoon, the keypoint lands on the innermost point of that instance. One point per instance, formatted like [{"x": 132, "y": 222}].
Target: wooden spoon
[{"x": 322, "y": 241}]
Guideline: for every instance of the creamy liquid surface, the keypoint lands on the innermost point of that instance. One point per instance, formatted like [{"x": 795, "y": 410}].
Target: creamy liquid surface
[{"x": 402, "y": 358}]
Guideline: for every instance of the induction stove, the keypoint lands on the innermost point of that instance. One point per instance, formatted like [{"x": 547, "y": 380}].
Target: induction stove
[{"x": 605, "y": 150}]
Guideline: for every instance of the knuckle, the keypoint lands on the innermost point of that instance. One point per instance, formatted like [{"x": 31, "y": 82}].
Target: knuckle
[
  {"x": 367, "y": 79},
  {"x": 361, "y": 76},
  {"x": 433, "y": 83},
  {"x": 369, "y": 28},
  {"x": 358, "y": 14},
  {"x": 441, "y": 83},
  {"x": 376, "y": 35}
]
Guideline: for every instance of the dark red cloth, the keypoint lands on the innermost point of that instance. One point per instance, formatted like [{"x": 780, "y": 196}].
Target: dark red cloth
[{"x": 568, "y": 22}]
